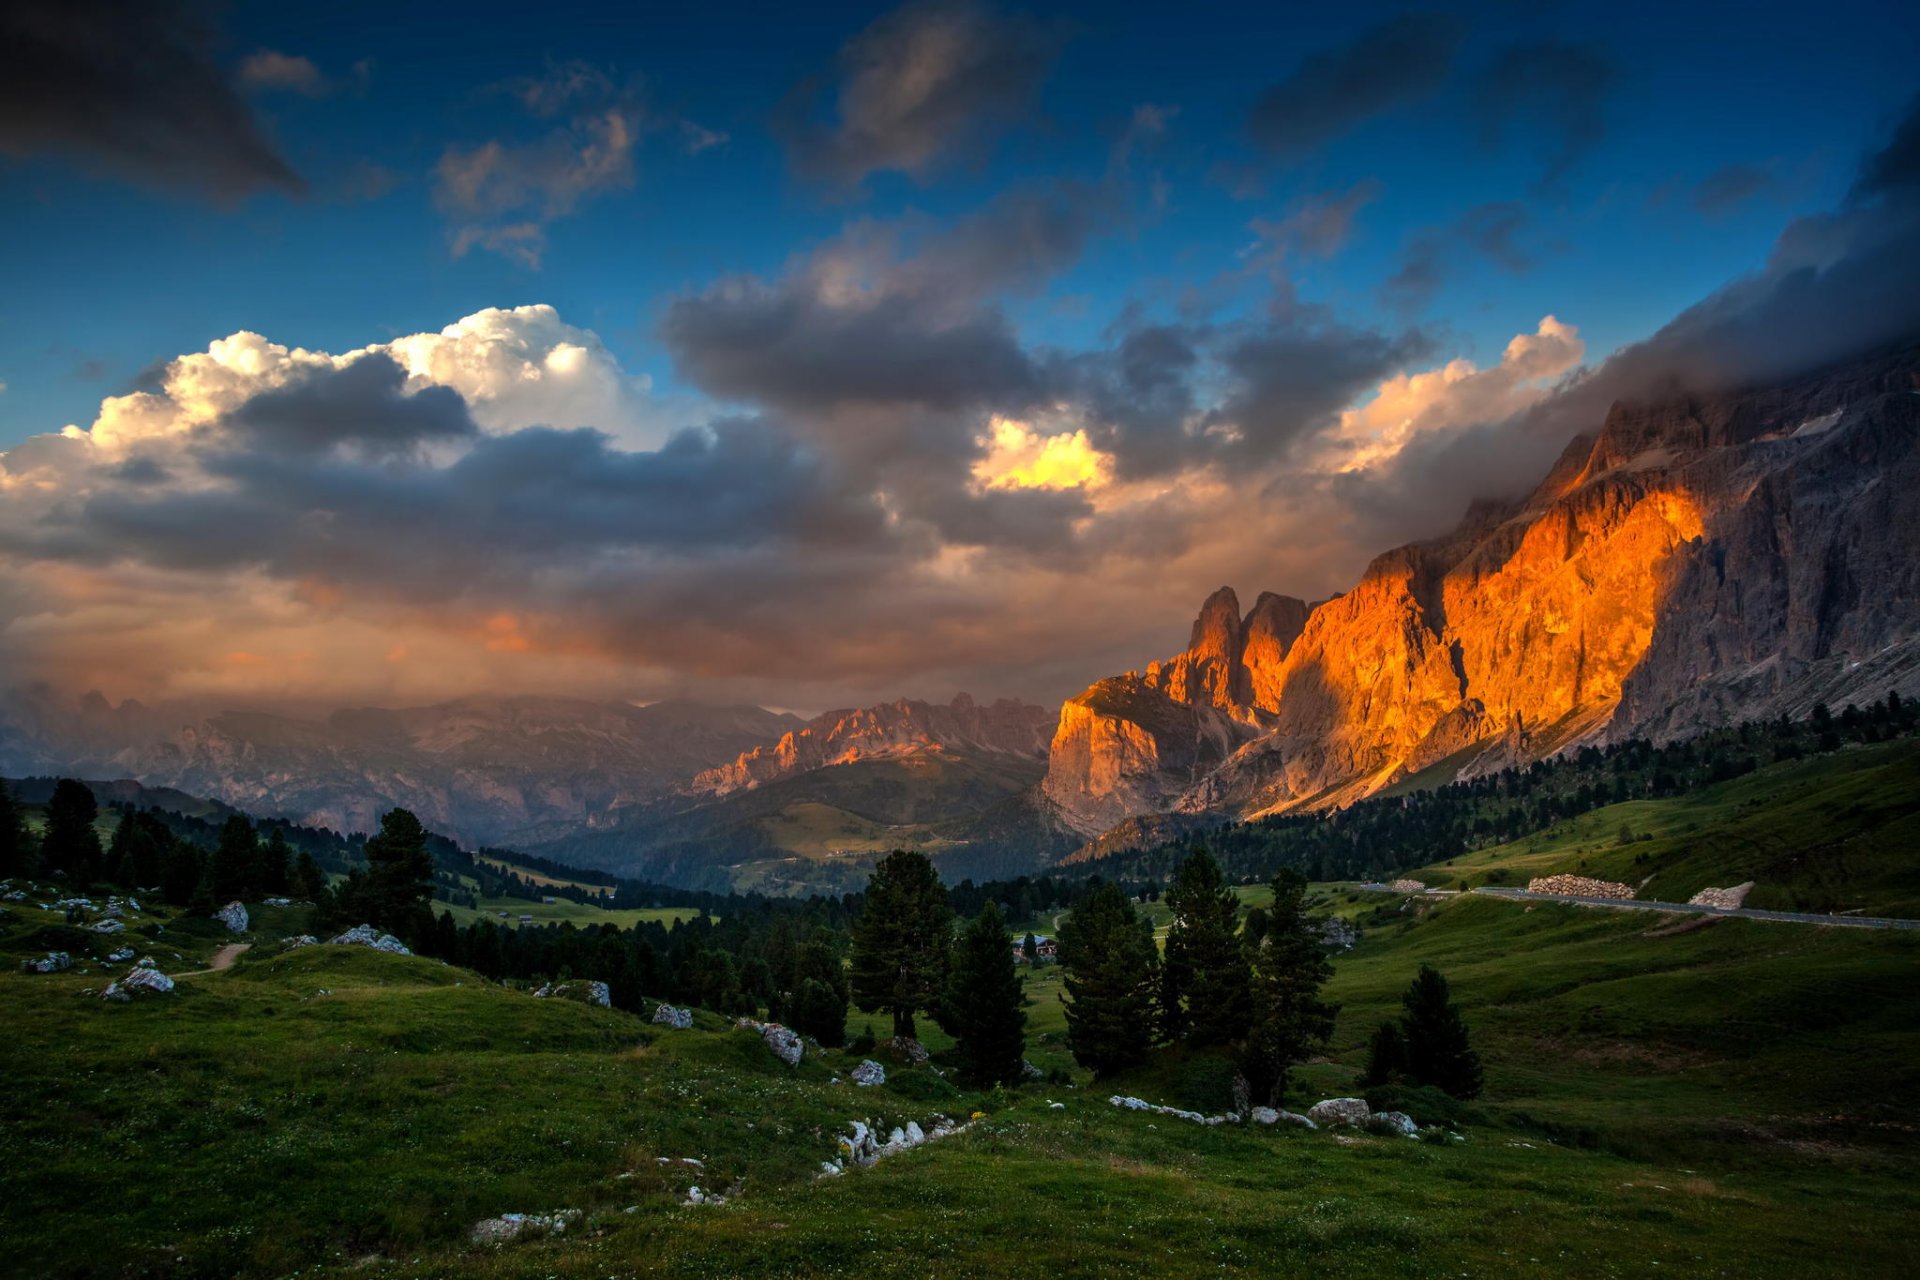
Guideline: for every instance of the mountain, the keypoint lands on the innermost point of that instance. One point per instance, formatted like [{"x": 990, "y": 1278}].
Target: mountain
[
  {"x": 887, "y": 731},
  {"x": 482, "y": 770},
  {"x": 1696, "y": 560}
]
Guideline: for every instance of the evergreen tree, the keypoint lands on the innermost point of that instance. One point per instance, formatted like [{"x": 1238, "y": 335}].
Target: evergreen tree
[
  {"x": 309, "y": 882},
  {"x": 1436, "y": 1038},
  {"x": 1289, "y": 1019},
  {"x": 231, "y": 872},
  {"x": 1030, "y": 948},
  {"x": 71, "y": 844},
  {"x": 900, "y": 940},
  {"x": 182, "y": 869},
  {"x": 399, "y": 879},
  {"x": 273, "y": 872},
  {"x": 15, "y": 850},
  {"x": 984, "y": 996},
  {"x": 820, "y": 1000},
  {"x": 1112, "y": 969},
  {"x": 1386, "y": 1055},
  {"x": 1205, "y": 997}
]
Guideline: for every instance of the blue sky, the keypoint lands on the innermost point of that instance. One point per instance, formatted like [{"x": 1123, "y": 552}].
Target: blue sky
[
  {"x": 814, "y": 355},
  {"x": 104, "y": 277}
]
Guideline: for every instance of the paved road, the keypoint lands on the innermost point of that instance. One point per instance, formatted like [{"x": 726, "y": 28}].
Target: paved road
[{"x": 1687, "y": 908}]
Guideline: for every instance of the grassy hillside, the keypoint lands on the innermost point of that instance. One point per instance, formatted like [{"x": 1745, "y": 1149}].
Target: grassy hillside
[
  {"x": 1654, "y": 1096},
  {"x": 1834, "y": 832}
]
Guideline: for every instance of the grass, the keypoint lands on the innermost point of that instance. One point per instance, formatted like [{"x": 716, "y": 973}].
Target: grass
[
  {"x": 1834, "y": 832},
  {"x": 1660, "y": 1100}
]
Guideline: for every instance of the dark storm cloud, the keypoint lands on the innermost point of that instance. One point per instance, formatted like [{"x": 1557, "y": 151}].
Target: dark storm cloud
[
  {"x": 1140, "y": 394},
  {"x": 1895, "y": 168},
  {"x": 1332, "y": 92},
  {"x": 1491, "y": 230},
  {"x": 1729, "y": 187},
  {"x": 860, "y": 325},
  {"x": 131, "y": 88},
  {"x": 364, "y": 405},
  {"x": 1291, "y": 377},
  {"x": 1555, "y": 91},
  {"x": 924, "y": 86}
]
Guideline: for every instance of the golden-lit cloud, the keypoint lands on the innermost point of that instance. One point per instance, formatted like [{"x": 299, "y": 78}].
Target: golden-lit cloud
[{"x": 1020, "y": 457}]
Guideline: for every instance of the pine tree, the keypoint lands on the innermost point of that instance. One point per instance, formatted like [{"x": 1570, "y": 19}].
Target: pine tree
[
  {"x": 273, "y": 872},
  {"x": 1205, "y": 977},
  {"x": 820, "y": 999},
  {"x": 309, "y": 882},
  {"x": 399, "y": 880},
  {"x": 900, "y": 940},
  {"x": 231, "y": 872},
  {"x": 984, "y": 996},
  {"x": 71, "y": 844},
  {"x": 1030, "y": 948},
  {"x": 1386, "y": 1055},
  {"x": 14, "y": 848},
  {"x": 1112, "y": 972},
  {"x": 1289, "y": 1019},
  {"x": 1437, "y": 1049}
]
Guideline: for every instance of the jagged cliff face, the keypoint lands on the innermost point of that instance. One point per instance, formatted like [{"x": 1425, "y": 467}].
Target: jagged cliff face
[
  {"x": 888, "y": 731},
  {"x": 1696, "y": 561}
]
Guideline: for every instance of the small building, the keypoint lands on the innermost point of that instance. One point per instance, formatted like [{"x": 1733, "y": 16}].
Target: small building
[
  {"x": 548, "y": 898},
  {"x": 526, "y": 919},
  {"x": 1045, "y": 948}
]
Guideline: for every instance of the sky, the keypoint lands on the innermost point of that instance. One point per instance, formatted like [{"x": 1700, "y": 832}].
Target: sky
[{"x": 814, "y": 355}]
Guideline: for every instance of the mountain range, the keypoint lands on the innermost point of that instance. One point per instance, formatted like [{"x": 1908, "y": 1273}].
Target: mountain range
[{"x": 1693, "y": 560}]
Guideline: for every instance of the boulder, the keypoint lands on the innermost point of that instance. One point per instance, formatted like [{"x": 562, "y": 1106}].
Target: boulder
[
  {"x": 859, "y": 1145},
  {"x": 511, "y": 1226},
  {"x": 869, "y": 1073},
  {"x": 139, "y": 982},
  {"x": 276, "y": 902},
  {"x": 365, "y": 935},
  {"x": 906, "y": 1049},
  {"x": 52, "y": 962},
  {"x": 1348, "y": 1111},
  {"x": 234, "y": 916},
  {"x": 1030, "y": 1072},
  {"x": 109, "y": 926},
  {"x": 594, "y": 993},
  {"x": 121, "y": 956},
  {"x": 300, "y": 940},
  {"x": 668, "y": 1016},
  {"x": 1264, "y": 1115},
  {"x": 1394, "y": 1124},
  {"x": 786, "y": 1044}
]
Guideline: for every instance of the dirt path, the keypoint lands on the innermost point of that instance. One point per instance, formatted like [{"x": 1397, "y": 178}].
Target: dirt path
[{"x": 222, "y": 959}]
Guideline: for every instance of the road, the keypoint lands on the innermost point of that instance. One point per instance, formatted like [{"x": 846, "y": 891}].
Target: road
[
  {"x": 222, "y": 959},
  {"x": 1684, "y": 908}
]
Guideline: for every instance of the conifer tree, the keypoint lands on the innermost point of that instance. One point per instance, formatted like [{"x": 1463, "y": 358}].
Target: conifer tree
[
  {"x": 1386, "y": 1055},
  {"x": 820, "y": 997},
  {"x": 14, "y": 849},
  {"x": 71, "y": 844},
  {"x": 399, "y": 880},
  {"x": 1112, "y": 973},
  {"x": 900, "y": 940},
  {"x": 1289, "y": 1019},
  {"x": 273, "y": 872},
  {"x": 1205, "y": 998},
  {"x": 230, "y": 874},
  {"x": 1030, "y": 948},
  {"x": 309, "y": 882},
  {"x": 984, "y": 996},
  {"x": 1438, "y": 1052}
]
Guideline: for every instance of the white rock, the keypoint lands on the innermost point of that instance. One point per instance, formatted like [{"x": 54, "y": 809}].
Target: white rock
[
  {"x": 121, "y": 956},
  {"x": 667, "y": 1015},
  {"x": 1394, "y": 1122},
  {"x": 511, "y": 1226},
  {"x": 52, "y": 962},
  {"x": 300, "y": 940},
  {"x": 786, "y": 1044},
  {"x": 1348, "y": 1111},
  {"x": 1264, "y": 1115},
  {"x": 869, "y": 1073},
  {"x": 234, "y": 916},
  {"x": 365, "y": 935},
  {"x": 109, "y": 926},
  {"x": 139, "y": 982}
]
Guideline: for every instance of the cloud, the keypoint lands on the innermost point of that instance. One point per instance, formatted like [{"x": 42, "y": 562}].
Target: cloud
[
  {"x": 1550, "y": 90},
  {"x": 1018, "y": 456},
  {"x": 889, "y": 313},
  {"x": 268, "y": 70},
  {"x": 131, "y": 90},
  {"x": 926, "y": 85},
  {"x": 1729, "y": 187},
  {"x": 1491, "y": 230},
  {"x": 1333, "y": 92},
  {"x": 502, "y": 195},
  {"x": 1316, "y": 227}
]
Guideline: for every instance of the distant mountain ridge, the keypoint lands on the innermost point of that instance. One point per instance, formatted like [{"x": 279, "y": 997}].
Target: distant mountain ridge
[
  {"x": 1697, "y": 560},
  {"x": 887, "y": 731},
  {"x": 482, "y": 770}
]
